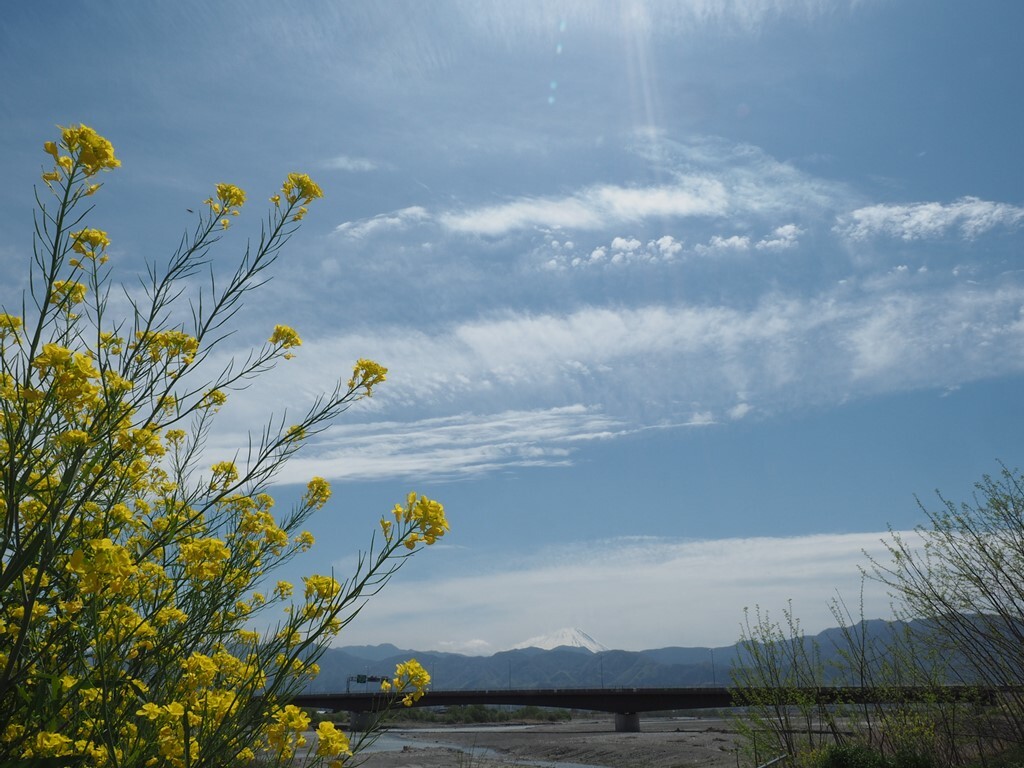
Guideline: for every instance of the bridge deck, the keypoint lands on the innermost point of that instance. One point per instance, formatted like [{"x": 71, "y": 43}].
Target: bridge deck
[
  {"x": 631, "y": 700},
  {"x": 599, "y": 699}
]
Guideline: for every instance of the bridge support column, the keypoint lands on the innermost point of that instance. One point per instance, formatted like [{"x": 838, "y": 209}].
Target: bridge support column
[
  {"x": 364, "y": 721},
  {"x": 627, "y": 722}
]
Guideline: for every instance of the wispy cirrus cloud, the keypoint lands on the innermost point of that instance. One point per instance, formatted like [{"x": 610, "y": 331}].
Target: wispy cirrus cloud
[
  {"x": 969, "y": 216},
  {"x": 525, "y": 388},
  {"x": 351, "y": 164},
  {"x": 395, "y": 220},
  {"x": 450, "y": 447},
  {"x": 461, "y": 445}
]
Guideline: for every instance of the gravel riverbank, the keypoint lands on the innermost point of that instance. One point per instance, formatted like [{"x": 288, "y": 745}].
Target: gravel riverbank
[{"x": 593, "y": 741}]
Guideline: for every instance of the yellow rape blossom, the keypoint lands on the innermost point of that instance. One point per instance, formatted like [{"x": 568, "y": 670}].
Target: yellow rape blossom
[
  {"x": 283, "y": 589},
  {"x": 321, "y": 587},
  {"x": 318, "y": 492},
  {"x": 247, "y": 636},
  {"x": 224, "y": 473},
  {"x": 49, "y": 744},
  {"x": 330, "y": 741},
  {"x": 410, "y": 679},
  {"x": 10, "y": 325},
  {"x": 150, "y": 711},
  {"x": 168, "y": 345},
  {"x": 90, "y": 243},
  {"x": 427, "y": 517},
  {"x": 73, "y": 437},
  {"x": 204, "y": 558},
  {"x": 230, "y": 196},
  {"x": 67, "y": 290},
  {"x": 213, "y": 399},
  {"x": 108, "y": 569},
  {"x": 165, "y": 616},
  {"x": 285, "y": 732},
  {"x": 199, "y": 670},
  {"x": 299, "y": 187},
  {"x": 367, "y": 374},
  {"x": 227, "y": 202},
  {"x": 90, "y": 150},
  {"x": 111, "y": 342},
  {"x": 285, "y": 338}
]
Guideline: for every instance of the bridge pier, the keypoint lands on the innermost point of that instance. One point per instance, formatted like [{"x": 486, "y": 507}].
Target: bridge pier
[
  {"x": 363, "y": 721},
  {"x": 627, "y": 722}
]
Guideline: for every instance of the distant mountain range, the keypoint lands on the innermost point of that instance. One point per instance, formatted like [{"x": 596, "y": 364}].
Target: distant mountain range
[{"x": 567, "y": 659}]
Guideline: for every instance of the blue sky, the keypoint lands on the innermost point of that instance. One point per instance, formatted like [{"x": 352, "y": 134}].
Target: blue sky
[{"x": 683, "y": 302}]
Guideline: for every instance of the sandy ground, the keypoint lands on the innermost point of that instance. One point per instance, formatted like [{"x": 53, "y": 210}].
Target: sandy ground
[{"x": 662, "y": 743}]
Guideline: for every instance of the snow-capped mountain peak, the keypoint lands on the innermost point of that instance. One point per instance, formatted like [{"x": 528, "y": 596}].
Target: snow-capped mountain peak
[{"x": 570, "y": 636}]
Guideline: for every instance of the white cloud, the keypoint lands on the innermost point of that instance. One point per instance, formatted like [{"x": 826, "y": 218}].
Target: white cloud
[
  {"x": 713, "y": 179},
  {"x": 719, "y": 244},
  {"x": 394, "y": 220},
  {"x": 630, "y": 593},
  {"x": 702, "y": 419},
  {"x": 472, "y": 647},
  {"x": 623, "y": 251},
  {"x": 971, "y": 216},
  {"x": 622, "y": 244},
  {"x": 595, "y": 208},
  {"x": 351, "y": 164},
  {"x": 782, "y": 238},
  {"x": 740, "y": 410},
  {"x": 668, "y": 246}
]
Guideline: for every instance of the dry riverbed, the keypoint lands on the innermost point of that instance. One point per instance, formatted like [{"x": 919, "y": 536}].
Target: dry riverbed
[{"x": 590, "y": 741}]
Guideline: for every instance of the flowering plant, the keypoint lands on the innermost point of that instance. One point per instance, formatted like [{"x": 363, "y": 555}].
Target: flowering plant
[{"x": 131, "y": 579}]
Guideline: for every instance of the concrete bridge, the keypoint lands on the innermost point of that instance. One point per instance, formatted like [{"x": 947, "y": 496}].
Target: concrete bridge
[
  {"x": 625, "y": 703},
  {"x": 628, "y": 703}
]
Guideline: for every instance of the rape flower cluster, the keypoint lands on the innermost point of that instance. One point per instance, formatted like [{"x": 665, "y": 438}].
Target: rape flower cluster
[
  {"x": 90, "y": 243},
  {"x": 367, "y": 374},
  {"x": 228, "y": 202},
  {"x": 284, "y": 337},
  {"x": 425, "y": 516},
  {"x": 132, "y": 578},
  {"x": 410, "y": 679},
  {"x": 87, "y": 152}
]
